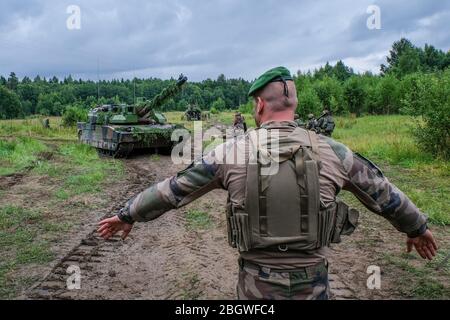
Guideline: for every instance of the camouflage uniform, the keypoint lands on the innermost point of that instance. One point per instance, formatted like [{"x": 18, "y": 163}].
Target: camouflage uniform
[
  {"x": 299, "y": 121},
  {"x": 271, "y": 274},
  {"x": 261, "y": 283},
  {"x": 327, "y": 127},
  {"x": 312, "y": 123},
  {"x": 239, "y": 122},
  {"x": 46, "y": 123},
  {"x": 193, "y": 113}
]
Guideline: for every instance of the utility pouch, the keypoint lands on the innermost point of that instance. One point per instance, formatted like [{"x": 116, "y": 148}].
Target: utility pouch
[
  {"x": 346, "y": 221},
  {"x": 243, "y": 238},
  {"x": 327, "y": 217}
]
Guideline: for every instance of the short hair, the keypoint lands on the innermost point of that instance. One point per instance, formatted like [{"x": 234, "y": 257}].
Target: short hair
[{"x": 274, "y": 95}]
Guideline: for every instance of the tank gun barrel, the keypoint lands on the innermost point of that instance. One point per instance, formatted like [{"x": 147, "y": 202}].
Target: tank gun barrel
[{"x": 162, "y": 97}]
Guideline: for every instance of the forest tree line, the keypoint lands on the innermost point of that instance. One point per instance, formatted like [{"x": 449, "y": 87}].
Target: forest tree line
[{"x": 337, "y": 88}]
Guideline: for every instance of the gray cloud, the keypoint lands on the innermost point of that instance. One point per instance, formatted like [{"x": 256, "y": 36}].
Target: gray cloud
[{"x": 162, "y": 38}]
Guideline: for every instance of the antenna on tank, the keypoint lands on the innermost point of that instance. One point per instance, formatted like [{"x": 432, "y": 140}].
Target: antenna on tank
[
  {"x": 134, "y": 87},
  {"x": 98, "y": 79}
]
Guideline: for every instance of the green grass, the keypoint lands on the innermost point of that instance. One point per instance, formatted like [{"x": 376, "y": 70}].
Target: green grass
[
  {"x": 382, "y": 137},
  {"x": 19, "y": 154},
  {"x": 155, "y": 157},
  {"x": 198, "y": 220},
  {"x": 420, "y": 282},
  {"x": 83, "y": 171},
  {"x": 33, "y": 128},
  {"x": 20, "y": 244}
]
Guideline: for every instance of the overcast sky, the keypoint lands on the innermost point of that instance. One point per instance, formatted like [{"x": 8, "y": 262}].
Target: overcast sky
[{"x": 204, "y": 38}]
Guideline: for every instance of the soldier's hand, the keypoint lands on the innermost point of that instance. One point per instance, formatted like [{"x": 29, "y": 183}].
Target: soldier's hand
[
  {"x": 425, "y": 245},
  {"x": 109, "y": 227}
]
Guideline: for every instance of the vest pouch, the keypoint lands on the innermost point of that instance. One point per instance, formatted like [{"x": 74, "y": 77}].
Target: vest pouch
[
  {"x": 346, "y": 221},
  {"x": 327, "y": 217},
  {"x": 231, "y": 227},
  {"x": 352, "y": 222},
  {"x": 243, "y": 238}
]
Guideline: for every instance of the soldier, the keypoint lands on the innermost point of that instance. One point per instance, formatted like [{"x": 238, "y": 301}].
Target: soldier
[
  {"x": 239, "y": 122},
  {"x": 299, "y": 121},
  {"x": 312, "y": 122},
  {"x": 327, "y": 126},
  {"x": 189, "y": 113},
  {"x": 193, "y": 113},
  {"x": 282, "y": 226},
  {"x": 320, "y": 122},
  {"x": 46, "y": 123},
  {"x": 197, "y": 113}
]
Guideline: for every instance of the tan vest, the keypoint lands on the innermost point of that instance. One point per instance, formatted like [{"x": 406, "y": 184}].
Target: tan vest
[{"x": 284, "y": 212}]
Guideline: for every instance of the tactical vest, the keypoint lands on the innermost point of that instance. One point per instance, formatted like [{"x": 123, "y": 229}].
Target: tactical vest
[
  {"x": 330, "y": 125},
  {"x": 284, "y": 212}
]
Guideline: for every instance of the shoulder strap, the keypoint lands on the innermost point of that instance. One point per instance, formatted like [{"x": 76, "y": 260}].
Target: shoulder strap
[{"x": 314, "y": 140}]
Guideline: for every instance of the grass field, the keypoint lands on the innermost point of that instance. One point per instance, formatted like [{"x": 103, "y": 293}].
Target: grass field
[{"x": 71, "y": 171}]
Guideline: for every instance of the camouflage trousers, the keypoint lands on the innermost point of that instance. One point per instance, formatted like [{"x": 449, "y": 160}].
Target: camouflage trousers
[{"x": 259, "y": 283}]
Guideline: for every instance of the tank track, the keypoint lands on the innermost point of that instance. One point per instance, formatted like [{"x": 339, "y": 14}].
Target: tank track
[{"x": 123, "y": 150}]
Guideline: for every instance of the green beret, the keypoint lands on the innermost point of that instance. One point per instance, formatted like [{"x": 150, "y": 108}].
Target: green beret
[{"x": 276, "y": 74}]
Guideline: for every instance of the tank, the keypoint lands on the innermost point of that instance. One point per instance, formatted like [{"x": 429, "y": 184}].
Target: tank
[{"x": 117, "y": 130}]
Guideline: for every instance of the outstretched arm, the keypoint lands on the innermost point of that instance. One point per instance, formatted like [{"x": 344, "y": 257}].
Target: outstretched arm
[
  {"x": 366, "y": 181},
  {"x": 171, "y": 193}
]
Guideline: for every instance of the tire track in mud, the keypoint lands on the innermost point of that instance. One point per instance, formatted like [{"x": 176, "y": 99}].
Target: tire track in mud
[
  {"x": 162, "y": 259},
  {"x": 91, "y": 250}
]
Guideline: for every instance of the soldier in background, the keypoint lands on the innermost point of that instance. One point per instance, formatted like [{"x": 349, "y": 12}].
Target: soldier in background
[
  {"x": 329, "y": 124},
  {"x": 193, "y": 113},
  {"x": 326, "y": 123},
  {"x": 320, "y": 122},
  {"x": 46, "y": 123},
  {"x": 281, "y": 240},
  {"x": 312, "y": 122},
  {"x": 239, "y": 122},
  {"x": 299, "y": 121}
]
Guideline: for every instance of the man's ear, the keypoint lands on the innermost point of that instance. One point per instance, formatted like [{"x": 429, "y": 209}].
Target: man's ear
[{"x": 259, "y": 105}]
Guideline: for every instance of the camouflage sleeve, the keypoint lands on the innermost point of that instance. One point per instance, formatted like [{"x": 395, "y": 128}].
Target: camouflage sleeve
[
  {"x": 366, "y": 181},
  {"x": 174, "y": 192}
]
